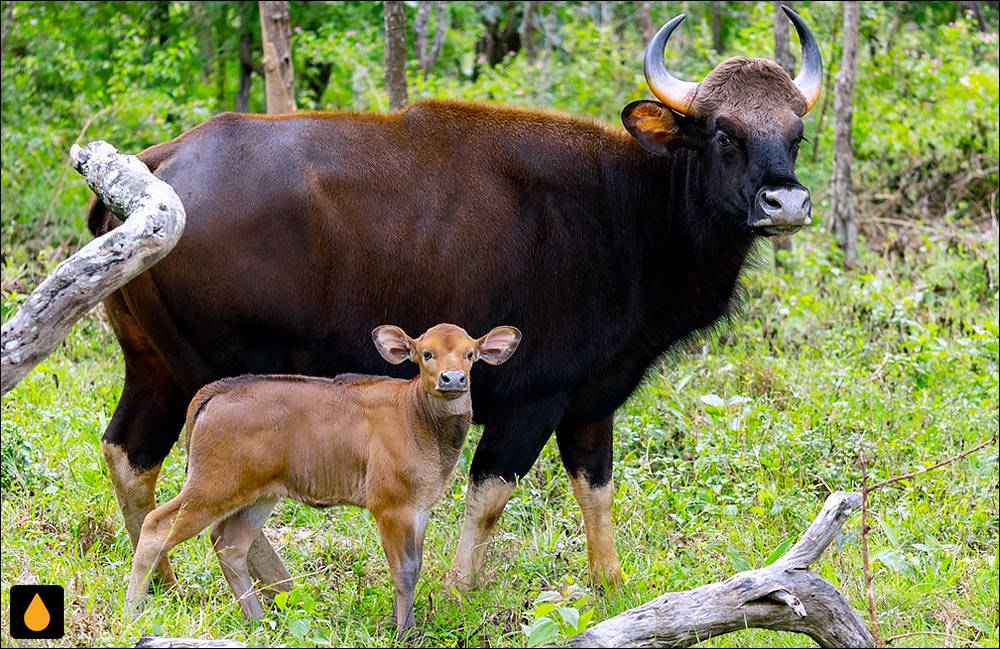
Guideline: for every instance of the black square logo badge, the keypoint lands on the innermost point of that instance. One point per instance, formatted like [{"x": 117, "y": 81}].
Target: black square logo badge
[{"x": 36, "y": 612}]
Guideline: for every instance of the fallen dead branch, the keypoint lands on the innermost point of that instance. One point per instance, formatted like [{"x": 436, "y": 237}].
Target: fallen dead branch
[
  {"x": 784, "y": 596},
  {"x": 153, "y": 223}
]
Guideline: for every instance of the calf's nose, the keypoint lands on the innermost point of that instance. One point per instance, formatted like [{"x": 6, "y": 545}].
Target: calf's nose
[{"x": 453, "y": 381}]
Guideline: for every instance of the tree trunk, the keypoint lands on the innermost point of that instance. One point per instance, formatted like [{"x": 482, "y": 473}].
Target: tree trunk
[
  {"x": 972, "y": 7},
  {"x": 527, "y": 31},
  {"x": 783, "y": 55},
  {"x": 607, "y": 14},
  {"x": 206, "y": 40},
  {"x": 644, "y": 14},
  {"x": 842, "y": 223},
  {"x": 395, "y": 53},
  {"x": 8, "y": 24},
  {"x": 784, "y": 596},
  {"x": 248, "y": 63},
  {"x": 421, "y": 25},
  {"x": 427, "y": 53},
  {"x": 153, "y": 223},
  {"x": 276, "y": 40},
  {"x": 893, "y": 29},
  {"x": 782, "y": 42},
  {"x": 440, "y": 30},
  {"x": 717, "y": 43}
]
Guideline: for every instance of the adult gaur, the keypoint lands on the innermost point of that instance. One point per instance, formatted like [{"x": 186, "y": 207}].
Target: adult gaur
[{"x": 603, "y": 246}]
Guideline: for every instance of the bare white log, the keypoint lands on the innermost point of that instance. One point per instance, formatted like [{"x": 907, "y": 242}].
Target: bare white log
[
  {"x": 784, "y": 596},
  {"x": 176, "y": 643},
  {"x": 153, "y": 223}
]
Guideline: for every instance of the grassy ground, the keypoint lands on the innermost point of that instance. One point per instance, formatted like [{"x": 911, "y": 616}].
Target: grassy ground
[{"x": 725, "y": 453}]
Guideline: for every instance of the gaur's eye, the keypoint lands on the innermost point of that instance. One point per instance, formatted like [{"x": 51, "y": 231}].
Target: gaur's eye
[
  {"x": 427, "y": 356},
  {"x": 724, "y": 140}
]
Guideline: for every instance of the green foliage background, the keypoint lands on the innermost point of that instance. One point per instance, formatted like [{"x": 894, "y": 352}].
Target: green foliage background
[{"x": 723, "y": 456}]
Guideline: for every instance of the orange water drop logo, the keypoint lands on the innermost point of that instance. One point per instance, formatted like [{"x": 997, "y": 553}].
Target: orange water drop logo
[{"x": 37, "y": 616}]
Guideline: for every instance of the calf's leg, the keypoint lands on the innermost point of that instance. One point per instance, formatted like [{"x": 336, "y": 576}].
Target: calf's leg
[
  {"x": 267, "y": 569},
  {"x": 164, "y": 527},
  {"x": 232, "y": 538},
  {"x": 402, "y": 531}
]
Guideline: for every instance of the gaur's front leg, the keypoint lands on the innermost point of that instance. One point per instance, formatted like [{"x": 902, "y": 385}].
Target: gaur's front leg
[
  {"x": 511, "y": 442},
  {"x": 586, "y": 452}
]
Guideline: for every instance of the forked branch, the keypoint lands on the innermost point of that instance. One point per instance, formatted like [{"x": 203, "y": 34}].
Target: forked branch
[
  {"x": 153, "y": 222},
  {"x": 784, "y": 596}
]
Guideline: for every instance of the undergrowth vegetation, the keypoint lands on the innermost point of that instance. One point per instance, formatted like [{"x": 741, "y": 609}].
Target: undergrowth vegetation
[
  {"x": 722, "y": 458},
  {"x": 723, "y": 455}
]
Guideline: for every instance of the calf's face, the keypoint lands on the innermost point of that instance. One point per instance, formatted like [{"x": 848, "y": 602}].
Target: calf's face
[{"x": 445, "y": 354}]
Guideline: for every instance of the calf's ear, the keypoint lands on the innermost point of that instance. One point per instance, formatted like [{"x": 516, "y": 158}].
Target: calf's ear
[
  {"x": 497, "y": 346},
  {"x": 659, "y": 129},
  {"x": 393, "y": 344}
]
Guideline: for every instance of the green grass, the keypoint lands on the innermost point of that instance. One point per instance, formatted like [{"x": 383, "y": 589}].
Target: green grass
[{"x": 727, "y": 450}]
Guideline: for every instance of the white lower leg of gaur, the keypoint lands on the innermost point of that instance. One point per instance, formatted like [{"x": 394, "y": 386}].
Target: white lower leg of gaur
[
  {"x": 484, "y": 502},
  {"x": 136, "y": 494},
  {"x": 602, "y": 556}
]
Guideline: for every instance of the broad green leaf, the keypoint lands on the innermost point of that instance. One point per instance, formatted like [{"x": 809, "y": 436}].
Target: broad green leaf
[
  {"x": 738, "y": 562},
  {"x": 542, "y": 631},
  {"x": 281, "y": 600},
  {"x": 298, "y": 627},
  {"x": 548, "y": 596},
  {"x": 778, "y": 552},
  {"x": 570, "y": 615}
]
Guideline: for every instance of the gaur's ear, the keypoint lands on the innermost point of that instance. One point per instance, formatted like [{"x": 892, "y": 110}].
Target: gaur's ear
[
  {"x": 497, "y": 346},
  {"x": 393, "y": 343},
  {"x": 657, "y": 128}
]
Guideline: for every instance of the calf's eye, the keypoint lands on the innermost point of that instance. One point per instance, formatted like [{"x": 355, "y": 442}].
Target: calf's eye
[
  {"x": 469, "y": 356},
  {"x": 427, "y": 356}
]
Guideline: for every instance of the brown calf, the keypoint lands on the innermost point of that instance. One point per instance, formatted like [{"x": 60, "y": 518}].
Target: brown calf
[{"x": 388, "y": 445}]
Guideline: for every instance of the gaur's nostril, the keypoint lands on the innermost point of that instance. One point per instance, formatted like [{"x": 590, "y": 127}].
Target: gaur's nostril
[{"x": 771, "y": 201}]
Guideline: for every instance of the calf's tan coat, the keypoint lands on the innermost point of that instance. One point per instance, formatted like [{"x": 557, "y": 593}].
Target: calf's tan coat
[{"x": 388, "y": 445}]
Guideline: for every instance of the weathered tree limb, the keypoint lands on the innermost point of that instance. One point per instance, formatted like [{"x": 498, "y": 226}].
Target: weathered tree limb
[
  {"x": 784, "y": 596},
  {"x": 179, "y": 643},
  {"x": 153, "y": 222}
]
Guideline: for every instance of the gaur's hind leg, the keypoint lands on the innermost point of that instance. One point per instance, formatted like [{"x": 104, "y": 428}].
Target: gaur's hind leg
[
  {"x": 145, "y": 426},
  {"x": 586, "y": 452},
  {"x": 510, "y": 444}
]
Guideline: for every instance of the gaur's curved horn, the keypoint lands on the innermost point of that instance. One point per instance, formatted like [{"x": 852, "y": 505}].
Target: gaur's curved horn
[
  {"x": 810, "y": 78},
  {"x": 674, "y": 93}
]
